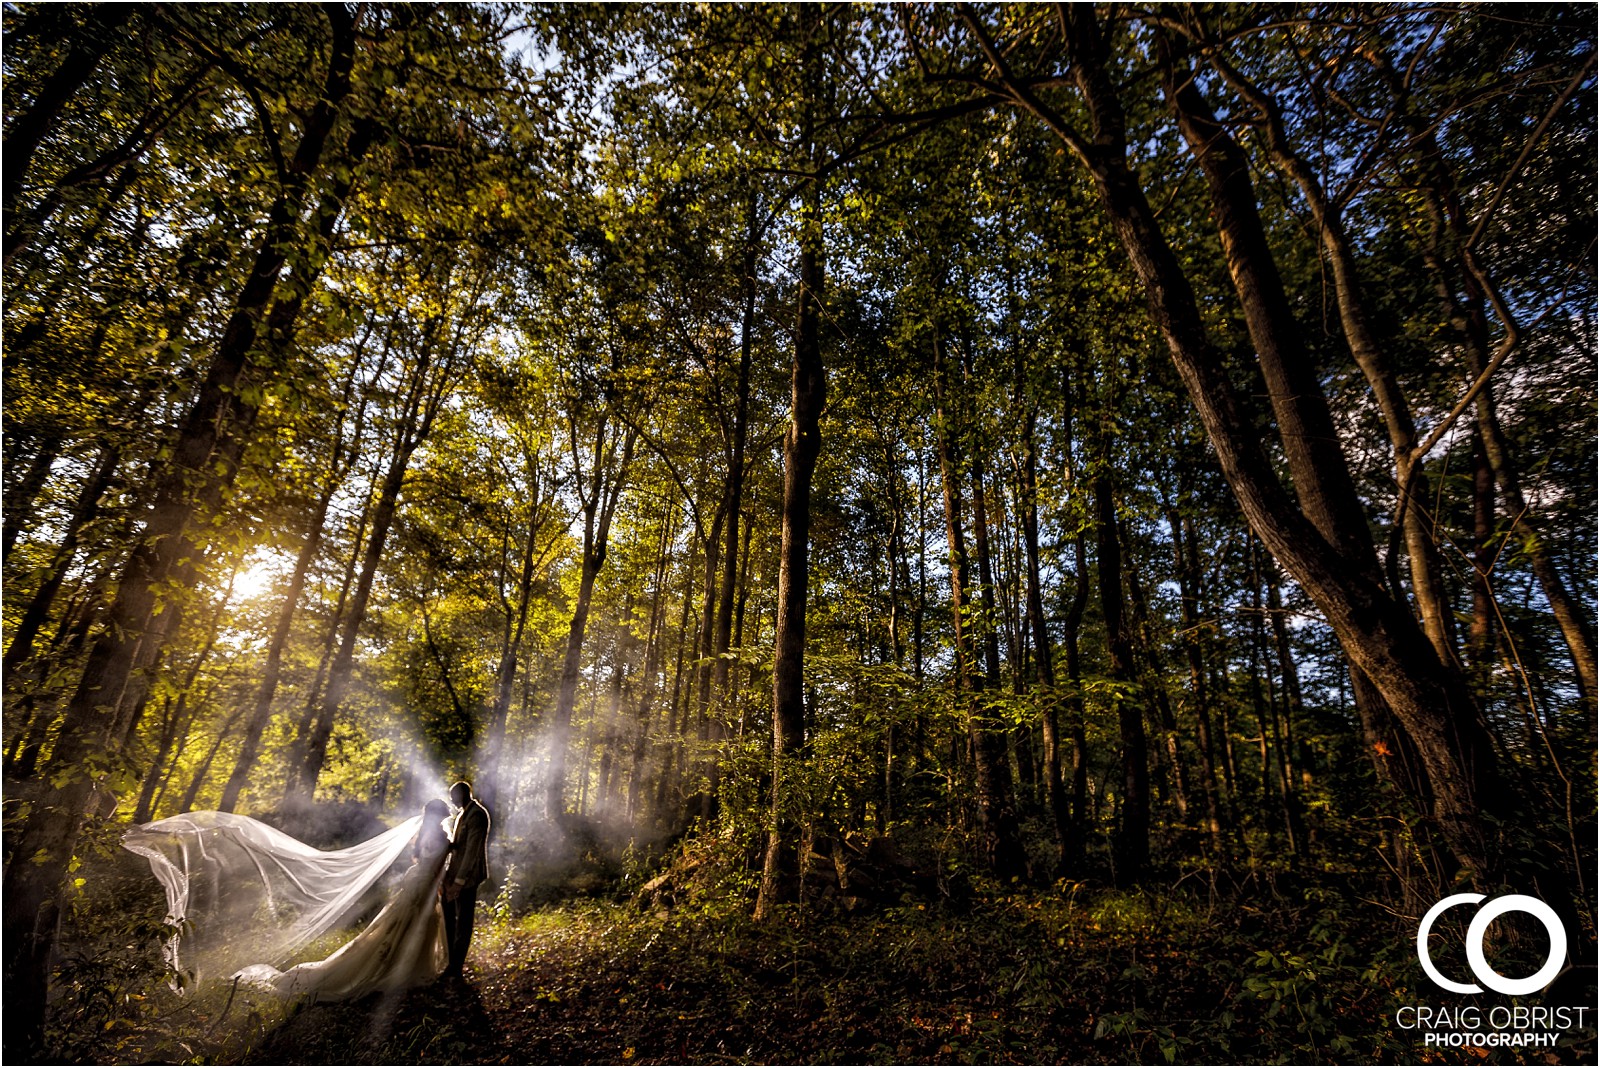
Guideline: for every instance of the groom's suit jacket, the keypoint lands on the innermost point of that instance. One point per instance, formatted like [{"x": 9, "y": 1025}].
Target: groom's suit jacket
[{"x": 469, "y": 846}]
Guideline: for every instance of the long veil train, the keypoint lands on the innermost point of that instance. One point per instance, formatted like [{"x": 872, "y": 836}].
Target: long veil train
[{"x": 240, "y": 892}]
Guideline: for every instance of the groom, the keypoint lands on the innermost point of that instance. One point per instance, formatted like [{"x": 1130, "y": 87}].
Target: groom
[{"x": 467, "y": 866}]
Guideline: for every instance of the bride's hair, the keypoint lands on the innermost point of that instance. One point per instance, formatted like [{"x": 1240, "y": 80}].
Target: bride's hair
[{"x": 434, "y": 814}]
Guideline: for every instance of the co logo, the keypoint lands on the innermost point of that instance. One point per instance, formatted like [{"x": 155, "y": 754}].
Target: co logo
[{"x": 1475, "y": 932}]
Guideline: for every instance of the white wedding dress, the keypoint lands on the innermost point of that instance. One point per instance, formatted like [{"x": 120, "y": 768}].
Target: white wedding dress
[{"x": 244, "y": 898}]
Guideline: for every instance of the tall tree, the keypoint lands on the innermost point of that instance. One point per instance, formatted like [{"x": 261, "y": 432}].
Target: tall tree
[{"x": 801, "y": 446}]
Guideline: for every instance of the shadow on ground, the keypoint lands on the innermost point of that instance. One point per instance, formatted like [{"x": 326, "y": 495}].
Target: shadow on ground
[{"x": 445, "y": 1023}]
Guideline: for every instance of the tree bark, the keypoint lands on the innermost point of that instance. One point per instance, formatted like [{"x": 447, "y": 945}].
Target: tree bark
[{"x": 801, "y": 447}]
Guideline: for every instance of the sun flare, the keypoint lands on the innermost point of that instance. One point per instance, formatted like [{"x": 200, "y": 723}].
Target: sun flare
[{"x": 256, "y": 577}]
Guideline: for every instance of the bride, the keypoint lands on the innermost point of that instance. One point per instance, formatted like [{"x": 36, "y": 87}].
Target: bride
[{"x": 244, "y": 898}]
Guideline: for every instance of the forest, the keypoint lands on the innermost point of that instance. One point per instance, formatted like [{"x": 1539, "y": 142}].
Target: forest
[{"x": 957, "y": 533}]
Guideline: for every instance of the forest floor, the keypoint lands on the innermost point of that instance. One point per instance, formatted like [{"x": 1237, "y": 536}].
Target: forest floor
[{"x": 1070, "y": 975}]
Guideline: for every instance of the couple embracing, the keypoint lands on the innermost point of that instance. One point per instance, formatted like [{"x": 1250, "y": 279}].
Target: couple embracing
[
  {"x": 244, "y": 897},
  {"x": 425, "y": 929}
]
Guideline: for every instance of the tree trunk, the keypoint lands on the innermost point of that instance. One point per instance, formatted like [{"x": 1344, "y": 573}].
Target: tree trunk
[
  {"x": 1055, "y": 797},
  {"x": 429, "y": 384},
  {"x": 1320, "y": 472},
  {"x": 672, "y": 742},
  {"x": 311, "y": 750},
  {"x": 1480, "y": 640},
  {"x": 652, "y": 667},
  {"x": 1293, "y": 705},
  {"x": 980, "y": 544},
  {"x": 1570, "y": 617},
  {"x": 1426, "y": 582},
  {"x": 261, "y": 715},
  {"x": 1458, "y": 268},
  {"x": 742, "y": 603},
  {"x": 706, "y": 766},
  {"x": 1155, "y": 683},
  {"x": 1078, "y": 779},
  {"x": 1131, "y": 846},
  {"x": 1188, "y": 569},
  {"x": 172, "y": 716},
  {"x": 1274, "y": 764},
  {"x": 199, "y": 779},
  {"x": 997, "y": 812},
  {"x": 999, "y": 848},
  {"x": 606, "y": 481},
  {"x": 734, "y": 494},
  {"x": 330, "y": 638},
  {"x": 802, "y": 445}
]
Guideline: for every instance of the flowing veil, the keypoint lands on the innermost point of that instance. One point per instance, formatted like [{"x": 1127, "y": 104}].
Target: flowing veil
[{"x": 240, "y": 892}]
